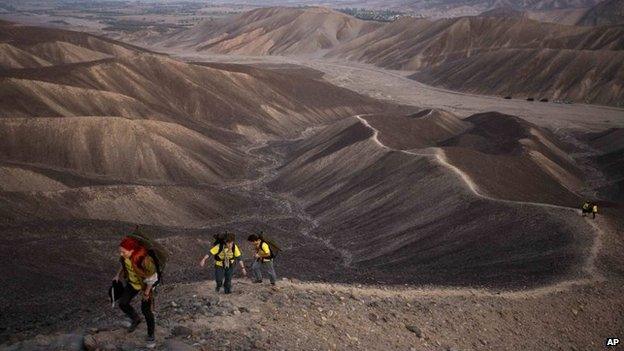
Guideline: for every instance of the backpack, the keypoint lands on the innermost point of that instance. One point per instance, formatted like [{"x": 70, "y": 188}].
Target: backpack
[
  {"x": 275, "y": 250},
  {"x": 155, "y": 250},
  {"x": 219, "y": 239}
]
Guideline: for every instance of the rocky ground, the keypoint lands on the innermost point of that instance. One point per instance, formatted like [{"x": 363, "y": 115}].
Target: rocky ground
[{"x": 318, "y": 316}]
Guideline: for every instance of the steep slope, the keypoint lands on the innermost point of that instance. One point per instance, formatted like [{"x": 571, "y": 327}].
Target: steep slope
[
  {"x": 118, "y": 148},
  {"x": 27, "y": 97},
  {"x": 578, "y": 75},
  {"x": 608, "y": 12},
  {"x": 25, "y": 37},
  {"x": 196, "y": 96},
  {"x": 273, "y": 31},
  {"x": 525, "y": 57},
  {"x": 419, "y": 130},
  {"x": 12, "y": 57},
  {"x": 568, "y": 17},
  {"x": 63, "y": 52},
  {"x": 509, "y": 158},
  {"x": 16, "y": 179},
  {"x": 412, "y": 44},
  {"x": 610, "y": 159},
  {"x": 405, "y": 215}
]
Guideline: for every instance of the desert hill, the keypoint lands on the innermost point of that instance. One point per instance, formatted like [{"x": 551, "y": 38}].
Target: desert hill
[
  {"x": 608, "y": 12},
  {"x": 610, "y": 158},
  {"x": 419, "y": 43},
  {"x": 273, "y": 31},
  {"x": 524, "y": 57},
  {"x": 91, "y": 145},
  {"x": 357, "y": 188}
]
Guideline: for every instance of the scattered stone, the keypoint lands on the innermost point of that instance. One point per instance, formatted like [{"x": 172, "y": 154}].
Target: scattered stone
[
  {"x": 176, "y": 345},
  {"x": 414, "y": 329},
  {"x": 181, "y": 331},
  {"x": 373, "y": 317},
  {"x": 174, "y": 304}
]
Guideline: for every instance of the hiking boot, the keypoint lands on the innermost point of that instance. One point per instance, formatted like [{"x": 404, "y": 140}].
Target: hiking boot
[
  {"x": 217, "y": 288},
  {"x": 135, "y": 323},
  {"x": 150, "y": 341},
  {"x": 257, "y": 281}
]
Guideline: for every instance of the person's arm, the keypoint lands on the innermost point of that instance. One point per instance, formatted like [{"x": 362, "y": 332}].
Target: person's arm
[
  {"x": 117, "y": 276},
  {"x": 151, "y": 276},
  {"x": 238, "y": 255},
  {"x": 213, "y": 251},
  {"x": 243, "y": 267}
]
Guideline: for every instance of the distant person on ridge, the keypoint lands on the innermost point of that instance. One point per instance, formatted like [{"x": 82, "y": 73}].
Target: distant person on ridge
[
  {"x": 139, "y": 272},
  {"x": 594, "y": 211},
  {"x": 264, "y": 259},
  {"x": 225, "y": 253},
  {"x": 586, "y": 208}
]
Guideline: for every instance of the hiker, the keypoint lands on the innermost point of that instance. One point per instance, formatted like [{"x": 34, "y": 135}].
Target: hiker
[
  {"x": 586, "y": 208},
  {"x": 225, "y": 253},
  {"x": 139, "y": 272},
  {"x": 594, "y": 211},
  {"x": 264, "y": 259}
]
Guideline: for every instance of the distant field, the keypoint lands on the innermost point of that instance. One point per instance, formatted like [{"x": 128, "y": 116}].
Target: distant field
[{"x": 116, "y": 18}]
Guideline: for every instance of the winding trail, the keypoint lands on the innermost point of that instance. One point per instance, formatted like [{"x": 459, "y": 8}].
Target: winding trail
[
  {"x": 287, "y": 206},
  {"x": 590, "y": 263}
]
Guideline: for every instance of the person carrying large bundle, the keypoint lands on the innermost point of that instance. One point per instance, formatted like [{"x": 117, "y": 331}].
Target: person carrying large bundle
[
  {"x": 140, "y": 271},
  {"x": 225, "y": 253},
  {"x": 266, "y": 251}
]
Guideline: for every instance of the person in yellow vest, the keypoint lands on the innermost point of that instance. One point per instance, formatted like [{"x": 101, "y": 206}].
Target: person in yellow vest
[
  {"x": 264, "y": 259},
  {"x": 594, "y": 211},
  {"x": 586, "y": 208},
  {"x": 225, "y": 254},
  {"x": 139, "y": 272}
]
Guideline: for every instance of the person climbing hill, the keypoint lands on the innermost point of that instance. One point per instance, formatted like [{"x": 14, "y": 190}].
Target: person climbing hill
[
  {"x": 586, "y": 208},
  {"x": 225, "y": 253},
  {"x": 594, "y": 210},
  {"x": 139, "y": 272},
  {"x": 264, "y": 258}
]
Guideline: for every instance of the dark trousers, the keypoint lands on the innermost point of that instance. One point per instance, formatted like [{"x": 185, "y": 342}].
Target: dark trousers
[
  {"x": 223, "y": 277},
  {"x": 146, "y": 307}
]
